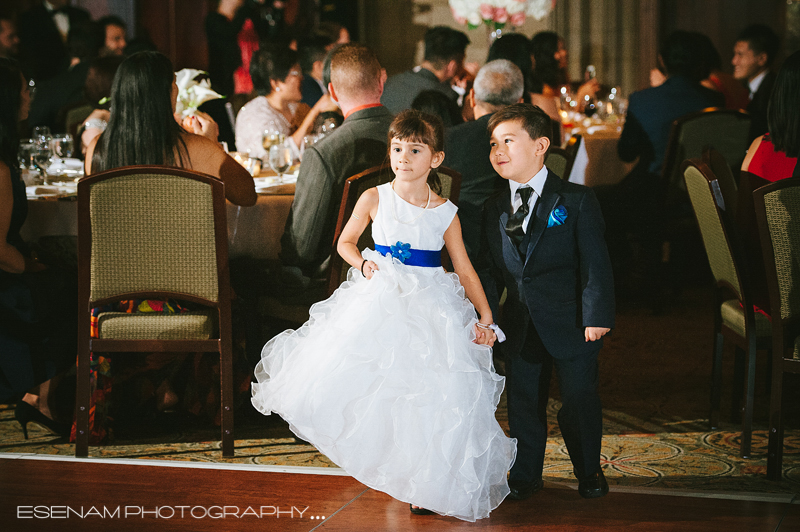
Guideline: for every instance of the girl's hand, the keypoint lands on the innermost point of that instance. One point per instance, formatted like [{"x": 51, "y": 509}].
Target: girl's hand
[
  {"x": 369, "y": 268},
  {"x": 484, "y": 336}
]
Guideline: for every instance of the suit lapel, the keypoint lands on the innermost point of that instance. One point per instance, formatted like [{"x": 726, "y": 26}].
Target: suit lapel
[{"x": 548, "y": 201}]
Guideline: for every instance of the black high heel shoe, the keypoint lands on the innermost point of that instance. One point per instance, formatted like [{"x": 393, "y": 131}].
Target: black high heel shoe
[
  {"x": 419, "y": 510},
  {"x": 25, "y": 413}
]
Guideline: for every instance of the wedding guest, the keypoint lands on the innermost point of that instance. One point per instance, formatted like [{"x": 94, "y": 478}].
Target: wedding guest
[
  {"x": 276, "y": 77},
  {"x": 516, "y": 48},
  {"x": 142, "y": 129},
  {"x": 114, "y": 35},
  {"x": 43, "y": 31},
  {"x": 97, "y": 93},
  {"x": 65, "y": 89},
  {"x": 444, "y": 59},
  {"x": 437, "y": 104},
  {"x": 550, "y": 68},
  {"x": 544, "y": 244},
  {"x": 467, "y": 148},
  {"x": 312, "y": 58},
  {"x": 9, "y": 40},
  {"x": 333, "y": 32},
  {"x": 38, "y": 322},
  {"x": 358, "y": 144},
  {"x": 773, "y": 156},
  {"x": 224, "y": 55},
  {"x": 753, "y": 55}
]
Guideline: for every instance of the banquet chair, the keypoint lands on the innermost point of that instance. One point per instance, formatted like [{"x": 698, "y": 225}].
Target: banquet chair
[
  {"x": 181, "y": 253},
  {"x": 561, "y": 160},
  {"x": 353, "y": 188},
  {"x": 778, "y": 213},
  {"x": 725, "y": 176},
  {"x": 734, "y": 316}
]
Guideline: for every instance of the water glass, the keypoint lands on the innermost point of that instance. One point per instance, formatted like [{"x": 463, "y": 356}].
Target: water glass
[
  {"x": 280, "y": 159},
  {"x": 271, "y": 137},
  {"x": 41, "y": 154},
  {"x": 25, "y": 153},
  {"x": 63, "y": 146}
]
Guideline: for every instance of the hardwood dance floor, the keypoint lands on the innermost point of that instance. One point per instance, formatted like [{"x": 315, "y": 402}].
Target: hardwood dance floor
[{"x": 40, "y": 493}]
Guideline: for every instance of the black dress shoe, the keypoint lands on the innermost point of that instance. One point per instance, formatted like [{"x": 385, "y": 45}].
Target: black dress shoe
[
  {"x": 593, "y": 486},
  {"x": 521, "y": 490},
  {"x": 419, "y": 511}
]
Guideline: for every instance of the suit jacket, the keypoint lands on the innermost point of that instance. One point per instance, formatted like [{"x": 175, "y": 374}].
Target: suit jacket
[
  {"x": 311, "y": 90},
  {"x": 400, "y": 90},
  {"x": 54, "y": 94},
  {"x": 757, "y": 108},
  {"x": 564, "y": 283},
  {"x": 42, "y": 52},
  {"x": 650, "y": 116},
  {"x": 467, "y": 151},
  {"x": 358, "y": 144}
]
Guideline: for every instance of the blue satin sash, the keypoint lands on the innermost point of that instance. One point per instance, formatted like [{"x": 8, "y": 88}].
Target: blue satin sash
[{"x": 419, "y": 257}]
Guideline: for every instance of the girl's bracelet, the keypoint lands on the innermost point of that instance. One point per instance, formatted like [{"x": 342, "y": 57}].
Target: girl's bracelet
[
  {"x": 362, "y": 267},
  {"x": 482, "y": 326}
]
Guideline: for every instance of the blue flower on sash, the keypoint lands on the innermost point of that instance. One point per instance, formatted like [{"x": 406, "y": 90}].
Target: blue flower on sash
[
  {"x": 401, "y": 251},
  {"x": 557, "y": 217}
]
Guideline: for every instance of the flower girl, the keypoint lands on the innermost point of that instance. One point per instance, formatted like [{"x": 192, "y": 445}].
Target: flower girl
[{"x": 392, "y": 376}]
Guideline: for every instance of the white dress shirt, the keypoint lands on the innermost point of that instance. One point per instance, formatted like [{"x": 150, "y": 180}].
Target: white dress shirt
[
  {"x": 537, "y": 184},
  {"x": 755, "y": 83}
]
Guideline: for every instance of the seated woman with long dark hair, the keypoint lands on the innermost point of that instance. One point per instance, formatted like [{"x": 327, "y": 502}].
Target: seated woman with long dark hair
[
  {"x": 550, "y": 68},
  {"x": 142, "y": 129},
  {"x": 38, "y": 321}
]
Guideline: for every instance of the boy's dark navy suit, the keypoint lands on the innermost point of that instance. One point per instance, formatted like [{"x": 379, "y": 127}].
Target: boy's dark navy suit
[{"x": 561, "y": 284}]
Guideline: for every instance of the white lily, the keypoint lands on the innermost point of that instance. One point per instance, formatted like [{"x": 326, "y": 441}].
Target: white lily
[{"x": 191, "y": 93}]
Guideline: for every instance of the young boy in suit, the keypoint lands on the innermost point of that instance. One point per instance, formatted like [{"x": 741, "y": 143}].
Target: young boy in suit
[{"x": 543, "y": 242}]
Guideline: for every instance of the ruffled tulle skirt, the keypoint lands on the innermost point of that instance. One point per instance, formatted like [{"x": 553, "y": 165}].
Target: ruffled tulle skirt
[{"x": 385, "y": 380}]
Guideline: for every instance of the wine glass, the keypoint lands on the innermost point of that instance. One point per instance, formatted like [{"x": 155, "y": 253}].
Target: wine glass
[
  {"x": 280, "y": 159},
  {"x": 41, "y": 153},
  {"x": 270, "y": 138},
  {"x": 41, "y": 132},
  {"x": 63, "y": 146},
  {"x": 25, "y": 154}
]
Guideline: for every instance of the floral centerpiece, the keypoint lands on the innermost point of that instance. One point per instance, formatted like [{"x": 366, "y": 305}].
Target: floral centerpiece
[
  {"x": 497, "y": 13},
  {"x": 192, "y": 93}
]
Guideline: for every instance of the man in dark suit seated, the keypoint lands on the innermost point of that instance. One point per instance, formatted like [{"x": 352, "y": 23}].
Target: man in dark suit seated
[
  {"x": 444, "y": 58},
  {"x": 358, "y": 144},
  {"x": 43, "y": 33},
  {"x": 312, "y": 57},
  {"x": 637, "y": 205},
  {"x": 499, "y": 83},
  {"x": 753, "y": 54}
]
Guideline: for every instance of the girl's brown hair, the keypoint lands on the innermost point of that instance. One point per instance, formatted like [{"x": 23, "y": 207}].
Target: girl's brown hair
[{"x": 415, "y": 126}]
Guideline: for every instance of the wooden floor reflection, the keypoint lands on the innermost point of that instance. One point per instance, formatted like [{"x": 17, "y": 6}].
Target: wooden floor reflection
[{"x": 42, "y": 493}]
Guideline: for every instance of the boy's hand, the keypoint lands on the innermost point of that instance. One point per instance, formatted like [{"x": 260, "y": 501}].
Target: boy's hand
[{"x": 595, "y": 333}]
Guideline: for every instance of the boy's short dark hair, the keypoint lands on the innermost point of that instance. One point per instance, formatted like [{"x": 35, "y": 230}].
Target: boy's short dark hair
[
  {"x": 534, "y": 121},
  {"x": 762, "y": 40},
  {"x": 443, "y": 44}
]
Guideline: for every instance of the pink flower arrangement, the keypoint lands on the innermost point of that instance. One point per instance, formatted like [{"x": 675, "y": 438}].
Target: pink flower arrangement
[{"x": 497, "y": 13}]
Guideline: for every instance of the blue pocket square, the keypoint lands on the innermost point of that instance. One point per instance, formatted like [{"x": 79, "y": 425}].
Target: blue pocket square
[{"x": 557, "y": 217}]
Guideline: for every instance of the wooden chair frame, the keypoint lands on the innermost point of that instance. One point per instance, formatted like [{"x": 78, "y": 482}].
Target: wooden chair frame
[
  {"x": 784, "y": 331},
  {"x": 745, "y": 346},
  {"x": 86, "y": 344}
]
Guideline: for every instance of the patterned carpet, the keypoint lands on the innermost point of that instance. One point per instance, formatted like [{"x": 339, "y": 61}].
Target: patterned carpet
[{"x": 654, "y": 385}]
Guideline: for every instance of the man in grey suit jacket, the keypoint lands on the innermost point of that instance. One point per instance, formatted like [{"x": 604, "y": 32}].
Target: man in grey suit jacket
[
  {"x": 466, "y": 146},
  {"x": 358, "y": 144},
  {"x": 444, "y": 58},
  {"x": 544, "y": 244}
]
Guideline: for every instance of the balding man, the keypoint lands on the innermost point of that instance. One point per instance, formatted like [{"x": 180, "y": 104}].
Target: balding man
[
  {"x": 498, "y": 84},
  {"x": 359, "y": 143}
]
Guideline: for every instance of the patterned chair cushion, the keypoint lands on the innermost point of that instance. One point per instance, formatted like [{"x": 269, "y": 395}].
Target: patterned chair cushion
[
  {"x": 150, "y": 326},
  {"x": 733, "y": 318}
]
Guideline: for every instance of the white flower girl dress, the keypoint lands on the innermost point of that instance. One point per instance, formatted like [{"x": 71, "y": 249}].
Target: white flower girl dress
[{"x": 384, "y": 378}]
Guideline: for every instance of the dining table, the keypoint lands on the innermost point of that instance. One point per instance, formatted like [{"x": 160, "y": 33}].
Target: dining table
[
  {"x": 597, "y": 163},
  {"x": 253, "y": 231}
]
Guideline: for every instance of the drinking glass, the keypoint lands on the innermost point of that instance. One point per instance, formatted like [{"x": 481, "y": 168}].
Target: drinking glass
[
  {"x": 270, "y": 138},
  {"x": 25, "y": 154},
  {"x": 41, "y": 154},
  {"x": 280, "y": 159},
  {"x": 41, "y": 132},
  {"x": 63, "y": 146}
]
